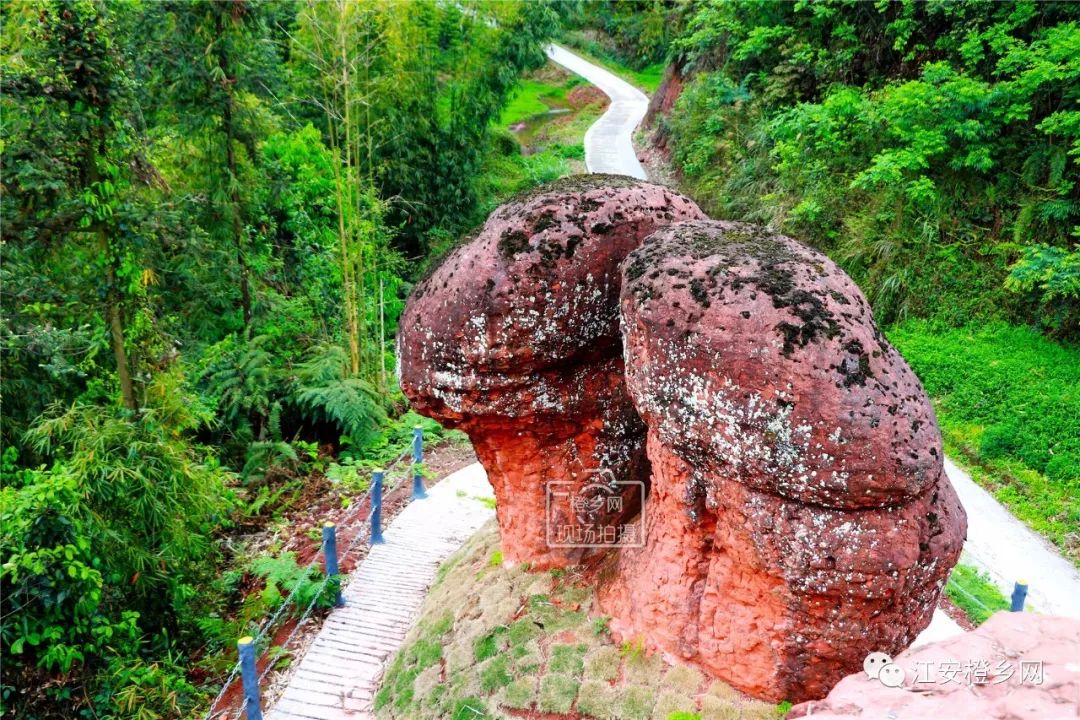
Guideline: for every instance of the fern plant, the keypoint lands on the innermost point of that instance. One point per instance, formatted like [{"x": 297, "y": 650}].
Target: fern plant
[
  {"x": 269, "y": 458},
  {"x": 242, "y": 377},
  {"x": 283, "y": 575},
  {"x": 326, "y": 393}
]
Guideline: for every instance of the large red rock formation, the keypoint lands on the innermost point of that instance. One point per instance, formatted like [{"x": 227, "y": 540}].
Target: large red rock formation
[
  {"x": 1015, "y": 665},
  {"x": 515, "y": 340},
  {"x": 800, "y": 517}
]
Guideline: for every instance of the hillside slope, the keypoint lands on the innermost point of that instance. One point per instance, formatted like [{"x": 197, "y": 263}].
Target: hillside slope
[{"x": 499, "y": 642}]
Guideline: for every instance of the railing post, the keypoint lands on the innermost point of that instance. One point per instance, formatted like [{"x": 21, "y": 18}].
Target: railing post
[
  {"x": 418, "y": 458},
  {"x": 1019, "y": 594},
  {"x": 376, "y": 507},
  {"x": 250, "y": 677},
  {"x": 329, "y": 543}
]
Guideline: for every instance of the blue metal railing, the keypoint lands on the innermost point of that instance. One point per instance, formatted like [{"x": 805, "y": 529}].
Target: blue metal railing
[{"x": 247, "y": 646}]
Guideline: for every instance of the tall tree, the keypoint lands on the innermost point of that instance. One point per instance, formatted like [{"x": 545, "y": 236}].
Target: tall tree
[
  {"x": 72, "y": 164},
  {"x": 425, "y": 81},
  {"x": 220, "y": 57}
]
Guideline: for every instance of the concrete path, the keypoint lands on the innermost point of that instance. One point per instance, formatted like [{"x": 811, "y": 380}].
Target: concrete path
[
  {"x": 340, "y": 672},
  {"x": 609, "y": 146},
  {"x": 1009, "y": 551}
]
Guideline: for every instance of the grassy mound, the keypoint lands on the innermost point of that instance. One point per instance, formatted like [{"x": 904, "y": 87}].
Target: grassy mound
[{"x": 499, "y": 642}]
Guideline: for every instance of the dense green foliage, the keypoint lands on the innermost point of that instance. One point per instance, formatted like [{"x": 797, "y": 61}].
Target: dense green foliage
[
  {"x": 211, "y": 215},
  {"x": 1007, "y": 400},
  {"x": 932, "y": 148},
  {"x": 638, "y": 32}
]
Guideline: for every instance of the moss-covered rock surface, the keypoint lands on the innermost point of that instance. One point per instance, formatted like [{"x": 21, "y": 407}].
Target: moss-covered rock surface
[{"x": 500, "y": 642}]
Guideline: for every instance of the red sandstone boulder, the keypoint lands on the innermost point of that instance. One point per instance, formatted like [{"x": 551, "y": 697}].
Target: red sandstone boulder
[
  {"x": 800, "y": 517},
  {"x": 515, "y": 340},
  {"x": 1015, "y": 665}
]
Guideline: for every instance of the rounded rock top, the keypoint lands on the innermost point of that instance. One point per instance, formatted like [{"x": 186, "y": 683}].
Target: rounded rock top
[
  {"x": 758, "y": 358},
  {"x": 534, "y": 290}
]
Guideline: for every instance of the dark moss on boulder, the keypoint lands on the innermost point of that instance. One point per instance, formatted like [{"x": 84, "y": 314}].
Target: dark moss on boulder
[{"x": 765, "y": 322}]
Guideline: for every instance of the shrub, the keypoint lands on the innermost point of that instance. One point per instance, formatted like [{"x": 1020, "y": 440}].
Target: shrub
[
  {"x": 147, "y": 498},
  {"x": 504, "y": 143},
  {"x": 924, "y": 147},
  {"x": 101, "y": 553},
  {"x": 54, "y": 589}
]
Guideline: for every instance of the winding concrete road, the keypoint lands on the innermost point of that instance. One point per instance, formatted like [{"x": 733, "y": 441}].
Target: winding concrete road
[
  {"x": 609, "y": 146},
  {"x": 997, "y": 542}
]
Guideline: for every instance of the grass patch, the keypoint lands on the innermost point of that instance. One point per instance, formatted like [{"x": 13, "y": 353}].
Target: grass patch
[
  {"x": 469, "y": 709},
  {"x": 603, "y": 664},
  {"x": 416, "y": 657},
  {"x": 1008, "y": 402},
  {"x": 596, "y": 699},
  {"x": 672, "y": 707},
  {"x": 520, "y": 694},
  {"x": 683, "y": 678},
  {"x": 567, "y": 659},
  {"x": 532, "y": 97},
  {"x": 426, "y": 653},
  {"x": 522, "y": 631},
  {"x": 495, "y": 673},
  {"x": 635, "y": 702},
  {"x": 537, "y": 653},
  {"x": 491, "y": 644},
  {"x": 557, "y": 693},
  {"x": 975, "y": 593},
  {"x": 552, "y": 617}
]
